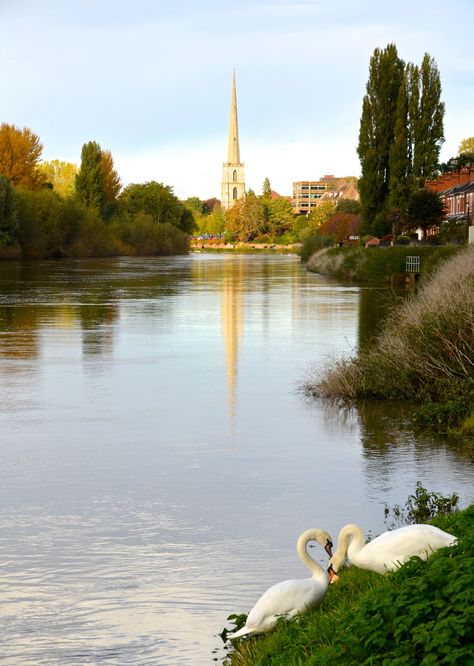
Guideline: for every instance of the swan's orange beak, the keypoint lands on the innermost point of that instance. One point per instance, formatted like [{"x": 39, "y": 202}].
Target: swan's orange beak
[
  {"x": 333, "y": 577},
  {"x": 328, "y": 548}
]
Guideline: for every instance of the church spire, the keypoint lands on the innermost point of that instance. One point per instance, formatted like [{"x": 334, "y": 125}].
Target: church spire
[
  {"x": 233, "y": 185},
  {"x": 233, "y": 150}
]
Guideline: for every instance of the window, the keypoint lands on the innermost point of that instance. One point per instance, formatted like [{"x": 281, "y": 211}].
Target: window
[
  {"x": 234, "y": 191},
  {"x": 234, "y": 177}
]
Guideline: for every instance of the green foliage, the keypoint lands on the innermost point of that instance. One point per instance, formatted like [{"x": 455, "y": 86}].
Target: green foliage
[
  {"x": 279, "y": 216},
  {"x": 158, "y": 201},
  {"x": 348, "y": 206},
  {"x": 313, "y": 243},
  {"x": 377, "y": 130},
  {"x": 141, "y": 235},
  {"x": 422, "y": 506},
  {"x": 48, "y": 223},
  {"x": 423, "y": 613},
  {"x": 267, "y": 189},
  {"x": 61, "y": 175},
  {"x": 8, "y": 213},
  {"x": 401, "y": 133},
  {"x": 89, "y": 181},
  {"x": 425, "y": 210}
]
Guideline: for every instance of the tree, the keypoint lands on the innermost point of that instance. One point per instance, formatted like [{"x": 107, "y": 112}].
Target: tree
[
  {"x": 267, "y": 189},
  {"x": 110, "y": 178},
  {"x": 61, "y": 175},
  {"x": 401, "y": 133},
  {"x": 466, "y": 145},
  {"x": 340, "y": 226},
  {"x": 159, "y": 201},
  {"x": 90, "y": 189},
  {"x": 280, "y": 216},
  {"x": 319, "y": 215},
  {"x": 246, "y": 219},
  {"x": 8, "y": 213},
  {"x": 425, "y": 210},
  {"x": 377, "y": 131},
  {"x": 348, "y": 206},
  {"x": 400, "y": 162},
  {"x": 426, "y": 119},
  {"x": 20, "y": 153}
]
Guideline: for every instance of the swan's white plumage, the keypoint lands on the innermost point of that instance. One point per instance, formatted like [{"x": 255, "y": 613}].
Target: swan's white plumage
[
  {"x": 391, "y": 549},
  {"x": 290, "y": 597}
]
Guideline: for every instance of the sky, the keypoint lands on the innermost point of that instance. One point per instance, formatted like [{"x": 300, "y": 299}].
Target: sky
[{"x": 151, "y": 81}]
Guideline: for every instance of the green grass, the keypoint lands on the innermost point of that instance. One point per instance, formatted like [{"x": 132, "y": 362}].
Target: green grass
[
  {"x": 373, "y": 263},
  {"x": 421, "y": 614}
]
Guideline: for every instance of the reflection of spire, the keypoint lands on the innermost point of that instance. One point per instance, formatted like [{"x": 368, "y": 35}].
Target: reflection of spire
[{"x": 232, "y": 330}]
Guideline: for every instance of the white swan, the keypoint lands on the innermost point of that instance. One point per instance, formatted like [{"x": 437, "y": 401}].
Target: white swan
[
  {"x": 290, "y": 597},
  {"x": 388, "y": 551}
]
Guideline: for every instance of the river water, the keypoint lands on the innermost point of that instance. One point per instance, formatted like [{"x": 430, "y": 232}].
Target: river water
[{"x": 157, "y": 462}]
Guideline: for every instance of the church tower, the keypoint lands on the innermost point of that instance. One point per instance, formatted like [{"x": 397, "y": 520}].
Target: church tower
[{"x": 233, "y": 185}]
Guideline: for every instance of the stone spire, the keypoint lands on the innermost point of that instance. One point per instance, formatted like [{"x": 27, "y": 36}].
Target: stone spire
[
  {"x": 233, "y": 185},
  {"x": 233, "y": 150}
]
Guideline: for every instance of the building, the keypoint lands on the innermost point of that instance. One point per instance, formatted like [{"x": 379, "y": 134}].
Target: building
[
  {"x": 456, "y": 189},
  {"x": 307, "y": 194},
  {"x": 233, "y": 183}
]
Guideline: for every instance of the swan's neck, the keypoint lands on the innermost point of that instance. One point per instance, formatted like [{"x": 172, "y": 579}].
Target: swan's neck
[
  {"x": 350, "y": 542},
  {"x": 316, "y": 570}
]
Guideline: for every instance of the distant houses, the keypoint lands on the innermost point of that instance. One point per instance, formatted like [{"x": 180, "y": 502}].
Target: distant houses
[{"x": 308, "y": 194}]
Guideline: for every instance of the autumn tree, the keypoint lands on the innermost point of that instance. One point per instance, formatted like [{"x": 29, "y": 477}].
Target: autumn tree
[
  {"x": 90, "y": 189},
  {"x": 466, "y": 145},
  {"x": 246, "y": 219},
  {"x": 20, "y": 153},
  {"x": 341, "y": 226},
  {"x": 110, "y": 178},
  {"x": 61, "y": 175}
]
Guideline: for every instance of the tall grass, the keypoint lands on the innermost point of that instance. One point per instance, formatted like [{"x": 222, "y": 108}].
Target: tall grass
[{"x": 425, "y": 352}]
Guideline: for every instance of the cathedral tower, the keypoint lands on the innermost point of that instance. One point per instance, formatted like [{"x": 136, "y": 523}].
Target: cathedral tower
[{"x": 233, "y": 186}]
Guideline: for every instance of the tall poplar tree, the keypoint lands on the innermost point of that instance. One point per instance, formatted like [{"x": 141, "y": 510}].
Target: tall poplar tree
[
  {"x": 89, "y": 181},
  {"x": 376, "y": 135},
  {"x": 400, "y": 162},
  {"x": 427, "y": 121},
  {"x": 400, "y": 137}
]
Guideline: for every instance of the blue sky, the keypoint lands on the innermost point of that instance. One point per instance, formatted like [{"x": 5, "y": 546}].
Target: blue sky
[{"x": 151, "y": 81}]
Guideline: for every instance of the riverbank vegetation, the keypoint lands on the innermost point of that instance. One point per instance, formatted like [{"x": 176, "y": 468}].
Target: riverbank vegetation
[
  {"x": 52, "y": 209},
  {"x": 372, "y": 264},
  {"x": 424, "y": 353},
  {"x": 422, "y": 613}
]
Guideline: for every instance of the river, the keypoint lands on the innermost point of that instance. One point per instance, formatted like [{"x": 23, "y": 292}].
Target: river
[{"x": 157, "y": 461}]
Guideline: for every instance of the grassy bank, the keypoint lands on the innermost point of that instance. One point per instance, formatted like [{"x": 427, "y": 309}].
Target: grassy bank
[
  {"x": 368, "y": 264},
  {"x": 423, "y": 613},
  {"x": 424, "y": 354}
]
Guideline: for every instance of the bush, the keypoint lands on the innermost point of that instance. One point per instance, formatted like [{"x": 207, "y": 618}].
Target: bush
[{"x": 313, "y": 243}]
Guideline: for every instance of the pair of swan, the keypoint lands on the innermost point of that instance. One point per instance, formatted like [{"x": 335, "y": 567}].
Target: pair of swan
[{"x": 385, "y": 553}]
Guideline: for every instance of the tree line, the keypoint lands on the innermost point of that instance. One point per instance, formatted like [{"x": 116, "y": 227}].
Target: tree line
[{"x": 54, "y": 209}]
